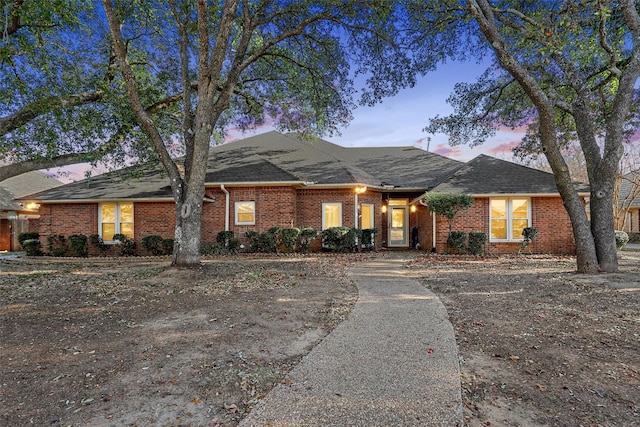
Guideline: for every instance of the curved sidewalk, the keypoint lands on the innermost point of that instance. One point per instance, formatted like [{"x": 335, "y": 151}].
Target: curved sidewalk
[{"x": 392, "y": 362}]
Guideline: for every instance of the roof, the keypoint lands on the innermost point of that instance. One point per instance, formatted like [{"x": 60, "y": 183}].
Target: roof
[
  {"x": 18, "y": 186},
  {"x": 274, "y": 158},
  {"x": 485, "y": 175},
  {"x": 324, "y": 163},
  {"x": 137, "y": 182}
]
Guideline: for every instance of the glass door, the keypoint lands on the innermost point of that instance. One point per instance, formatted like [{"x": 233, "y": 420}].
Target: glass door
[{"x": 398, "y": 233}]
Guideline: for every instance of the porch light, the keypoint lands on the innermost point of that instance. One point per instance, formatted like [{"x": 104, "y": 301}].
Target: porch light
[
  {"x": 413, "y": 208},
  {"x": 384, "y": 208},
  {"x": 360, "y": 190}
]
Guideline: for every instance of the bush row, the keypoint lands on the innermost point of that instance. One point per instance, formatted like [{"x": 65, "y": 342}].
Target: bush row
[
  {"x": 457, "y": 240},
  {"x": 278, "y": 239},
  {"x": 75, "y": 245},
  {"x": 336, "y": 239}
]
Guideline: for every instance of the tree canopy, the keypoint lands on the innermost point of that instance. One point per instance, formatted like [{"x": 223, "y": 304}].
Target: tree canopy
[
  {"x": 566, "y": 71},
  {"x": 242, "y": 62}
]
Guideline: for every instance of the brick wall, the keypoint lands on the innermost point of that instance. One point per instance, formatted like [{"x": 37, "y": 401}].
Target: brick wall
[
  {"x": 555, "y": 234},
  {"x": 286, "y": 207},
  {"x": 5, "y": 235},
  {"x": 67, "y": 219},
  {"x": 309, "y": 209}
]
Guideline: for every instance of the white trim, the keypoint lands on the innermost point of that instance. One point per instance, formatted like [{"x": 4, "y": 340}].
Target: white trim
[
  {"x": 237, "y": 205},
  {"x": 324, "y": 206},
  {"x": 117, "y": 221},
  {"x": 509, "y": 218}
]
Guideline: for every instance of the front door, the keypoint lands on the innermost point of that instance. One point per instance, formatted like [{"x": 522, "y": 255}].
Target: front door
[{"x": 398, "y": 226}]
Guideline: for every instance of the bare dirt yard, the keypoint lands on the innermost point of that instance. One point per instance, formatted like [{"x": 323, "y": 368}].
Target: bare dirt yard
[
  {"x": 131, "y": 342},
  {"x": 540, "y": 345}
]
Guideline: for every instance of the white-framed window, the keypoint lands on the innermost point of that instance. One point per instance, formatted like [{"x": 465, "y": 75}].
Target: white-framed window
[
  {"x": 115, "y": 218},
  {"x": 366, "y": 216},
  {"x": 508, "y": 217},
  {"x": 245, "y": 213},
  {"x": 331, "y": 215}
]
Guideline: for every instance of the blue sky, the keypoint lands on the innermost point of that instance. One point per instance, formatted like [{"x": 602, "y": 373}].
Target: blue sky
[{"x": 399, "y": 121}]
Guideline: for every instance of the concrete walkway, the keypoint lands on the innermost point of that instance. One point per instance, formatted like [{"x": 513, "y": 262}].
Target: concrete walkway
[{"x": 393, "y": 362}]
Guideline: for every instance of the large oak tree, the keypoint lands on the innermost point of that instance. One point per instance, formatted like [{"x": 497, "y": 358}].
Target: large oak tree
[
  {"x": 62, "y": 101},
  {"x": 566, "y": 69},
  {"x": 241, "y": 62}
]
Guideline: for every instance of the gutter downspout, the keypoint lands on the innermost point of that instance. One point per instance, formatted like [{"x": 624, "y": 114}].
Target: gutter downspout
[
  {"x": 355, "y": 212},
  {"x": 433, "y": 215},
  {"x": 433, "y": 227},
  {"x": 226, "y": 207}
]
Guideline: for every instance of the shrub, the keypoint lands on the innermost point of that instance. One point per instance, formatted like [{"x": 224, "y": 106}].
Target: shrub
[
  {"x": 262, "y": 242},
  {"x": 529, "y": 234},
  {"x": 289, "y": 237},
  {"x": 28, "y": 235},
  {"x": 153, "y": 244},
  {"x": 305, "y": 238},
  {"x": 167, "y": 246},
  {"x": 368, "y": 238},
  {"x": 215, "y": 249},
  {"x": 339, "y": 239},
  {"x": 57, "y": 245},
  {"x": 621, "y": 239},
  {"x": 477, "y": 239},
  {"x": 32, "y": 247},
  {"x": 97, "y": 241},
  {"x": 228, "y": 242},
  {"x": 78, "y": 245},
  {"x": 457, "y": 240},
  {"x": 126, "y": 244}
]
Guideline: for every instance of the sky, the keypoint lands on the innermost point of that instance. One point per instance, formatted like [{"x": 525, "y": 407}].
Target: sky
[{"x": 398, "y": 121}]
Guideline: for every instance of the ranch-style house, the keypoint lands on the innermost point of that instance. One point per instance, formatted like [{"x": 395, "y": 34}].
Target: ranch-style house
[{"x": 284, "y": 180}]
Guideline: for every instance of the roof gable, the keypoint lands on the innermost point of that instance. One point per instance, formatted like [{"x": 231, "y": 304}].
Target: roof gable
[
  {"x": 488, "y": 175},
  {"x": 274, "y": 158},
  {"x": 27, "y": 183}
]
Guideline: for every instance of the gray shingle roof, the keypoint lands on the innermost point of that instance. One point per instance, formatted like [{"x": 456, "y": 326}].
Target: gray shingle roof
[
  {"x": 488, "y": 175},
  {"x": 138, "y": 182},
  {"x": 13, "y": 188},
  {"x": 273, "y": 158},
  {"x": 324, "y": 163}
]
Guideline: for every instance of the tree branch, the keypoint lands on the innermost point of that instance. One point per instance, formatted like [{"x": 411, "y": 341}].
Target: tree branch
[{"x": 46, "y": 105}]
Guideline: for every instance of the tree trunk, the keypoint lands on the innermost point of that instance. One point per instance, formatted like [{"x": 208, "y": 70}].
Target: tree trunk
[
  {"x": 586, "y": 255},
  {"x": 602, "y": 191},
  {"x": 186, "y": 248}
]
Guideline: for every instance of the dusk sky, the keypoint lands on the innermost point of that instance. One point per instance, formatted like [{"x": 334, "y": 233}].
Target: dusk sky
[{"x": 399, "y": 121}]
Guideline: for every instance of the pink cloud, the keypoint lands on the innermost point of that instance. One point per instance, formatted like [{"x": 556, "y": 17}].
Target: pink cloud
[
  {"x": 448, "y": 151},
  {"x": 504, "y": 148}
]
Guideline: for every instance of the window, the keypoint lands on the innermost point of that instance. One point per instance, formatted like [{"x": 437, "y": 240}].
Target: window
[
  {"x": 245, "y": 213},
  {"x": 331, "y": 215},
  {"x": 509, "y": 216},
  {"x": 115, "y": 218},
  {"x": 366, "y": 220}
]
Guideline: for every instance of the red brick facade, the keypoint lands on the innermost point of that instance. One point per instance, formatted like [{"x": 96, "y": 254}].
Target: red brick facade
[
  {"x": 281, "y": 206},
  {"x": 5, "y": 235},
  {"x": 555, "y": 234}
]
